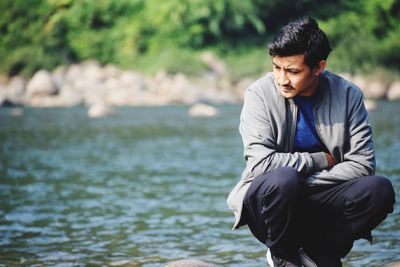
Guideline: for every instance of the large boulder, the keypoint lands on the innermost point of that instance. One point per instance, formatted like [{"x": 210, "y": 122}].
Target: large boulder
[
  {"x": 372, "y": 88},
  {"x": 59, "y": 76},
  {"x": 132, "y": 80},
  {"x": 375, "y": 89},
  {"x": 394, "y": 91},
  {"x": 203, "y": 110},
  {"x": 111, "y": 71},
  {"x": 41, "y": 84},
  {"x": 99, "y": 110},
  {"x": 13, "y": 92},
  {"x": 92, "y": 71},
  {"x": 370, "y": 105},
  {"x": 70, "y": 97}
]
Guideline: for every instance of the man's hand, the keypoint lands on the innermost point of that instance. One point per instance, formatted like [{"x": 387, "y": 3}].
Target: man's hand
[{"x": 331, "y": 161}]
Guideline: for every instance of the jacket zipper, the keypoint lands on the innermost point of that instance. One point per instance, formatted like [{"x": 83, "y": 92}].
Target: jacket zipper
[
  {"x": 294, "y": 124},
  {"x": 317, "y": 126}
]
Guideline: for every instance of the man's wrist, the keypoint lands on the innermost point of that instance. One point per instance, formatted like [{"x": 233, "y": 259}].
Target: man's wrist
[
  {"x": 331, "y": 161},
  {"x": 320, "y": 161}
]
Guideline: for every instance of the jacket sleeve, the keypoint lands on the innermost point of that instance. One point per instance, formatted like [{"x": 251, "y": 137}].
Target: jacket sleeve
[
  {"x": 260, "y": 143},
  {"x": 359, "y": 157}
]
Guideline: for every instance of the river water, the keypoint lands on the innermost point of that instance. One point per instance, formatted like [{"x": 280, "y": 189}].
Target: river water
[{"x": 143, "y": 188}]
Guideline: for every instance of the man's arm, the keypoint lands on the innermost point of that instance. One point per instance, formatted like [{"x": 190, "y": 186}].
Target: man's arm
[
  {"x": 359, "y": 158},
  {"x": 260, "y": 144}
]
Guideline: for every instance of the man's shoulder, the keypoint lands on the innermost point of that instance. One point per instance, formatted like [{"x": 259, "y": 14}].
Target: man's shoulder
[{"x": 340, "y": 84}]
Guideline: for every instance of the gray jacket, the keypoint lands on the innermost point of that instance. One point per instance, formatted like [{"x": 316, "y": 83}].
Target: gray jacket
[{"x": 268, "y": 125}]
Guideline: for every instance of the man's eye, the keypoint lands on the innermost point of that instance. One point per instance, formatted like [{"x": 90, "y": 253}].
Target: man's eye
[{"x": 293, "y": 71}]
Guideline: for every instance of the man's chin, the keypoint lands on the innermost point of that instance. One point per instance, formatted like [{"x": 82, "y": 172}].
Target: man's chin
[{"x": 288, "y": 93}]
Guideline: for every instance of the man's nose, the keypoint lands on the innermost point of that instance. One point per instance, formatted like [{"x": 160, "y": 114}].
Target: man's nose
[{"x": 282, "y": 79}]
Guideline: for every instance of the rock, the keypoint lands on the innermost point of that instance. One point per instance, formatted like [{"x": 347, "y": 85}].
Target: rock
[
  {"x": 394, "y": 91},
  {"x": 203, "y": 110},
  {"x": 73, "y": 73},
  {"x": 91, "y": 71},
  {"x": 59, "y": 76},
  {"x": 372, "y": 88},
  {"x": 360, "y": 82},
  {"x": 172, "y": 89},
  {"x": 99, "y": 110},
  {"x": 370, "y": 105},
  {"x": 241, "y": 86},
  {"x": 133, "y": 80},
  {"x": 41, "y": 84},
  {"x": 111, "y": 71},
  {"x": 44, "y": 101},
  {"x": 70, "y": 97},
  {"x": 375, "y": 90},
  {"x": 190, "y": 263},
  {"x": 13, "y": 92},
  {"x": 122, "y": 97}
]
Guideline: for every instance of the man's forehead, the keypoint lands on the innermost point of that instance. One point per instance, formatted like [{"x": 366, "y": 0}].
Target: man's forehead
[{"x": 295, "y": 61}]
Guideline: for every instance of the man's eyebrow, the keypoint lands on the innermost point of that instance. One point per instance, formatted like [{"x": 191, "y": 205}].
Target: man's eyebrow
[
  {"x": 293, "y": 69},
  {"x": 289, "y": 68}
]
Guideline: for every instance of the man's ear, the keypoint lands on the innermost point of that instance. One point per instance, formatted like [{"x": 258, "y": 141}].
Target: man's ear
[{"x": 320, "y": 67}]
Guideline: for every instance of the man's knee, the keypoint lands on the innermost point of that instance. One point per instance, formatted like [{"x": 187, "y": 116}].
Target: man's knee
[
  {"x": 381, "y": 192},
  {"x": 286, "y": 180},
  {"x": 281, "y": 181},
  {"x": 372, "y": 193}
]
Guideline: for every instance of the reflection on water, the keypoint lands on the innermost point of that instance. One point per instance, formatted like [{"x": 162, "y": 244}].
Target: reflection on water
[{"x": 142, "y": 188}]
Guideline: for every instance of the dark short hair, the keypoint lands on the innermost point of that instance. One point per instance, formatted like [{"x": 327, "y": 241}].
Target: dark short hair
[{"x": 301, "y": 36}]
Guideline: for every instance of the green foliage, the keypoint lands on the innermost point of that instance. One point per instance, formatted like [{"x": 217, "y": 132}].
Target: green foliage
[
  {"x": 172, "y": 60},
  {"x": 24, "y": 45},
  {"x": 366, "y": 37},
  {"x": 153, "y": 34},
  {"x": 247, "y": 61}
]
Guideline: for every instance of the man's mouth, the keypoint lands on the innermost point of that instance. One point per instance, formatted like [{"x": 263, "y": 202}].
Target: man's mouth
[{"x": 286, "y": 88}]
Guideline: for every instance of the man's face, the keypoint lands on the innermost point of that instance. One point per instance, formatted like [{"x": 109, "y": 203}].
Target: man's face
[{"x": 294, "y": 77}]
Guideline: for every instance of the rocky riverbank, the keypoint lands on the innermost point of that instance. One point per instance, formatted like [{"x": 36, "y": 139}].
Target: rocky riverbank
[{"x": 102, "y": 87}]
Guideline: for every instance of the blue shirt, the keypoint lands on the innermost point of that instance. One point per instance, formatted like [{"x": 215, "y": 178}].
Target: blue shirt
[{"x": 306, "y": 138}]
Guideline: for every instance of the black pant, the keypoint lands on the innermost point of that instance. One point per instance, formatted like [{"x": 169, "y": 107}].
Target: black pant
[{"x": 284, "y": 214}]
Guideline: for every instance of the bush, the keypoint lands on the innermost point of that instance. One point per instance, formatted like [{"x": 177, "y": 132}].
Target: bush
[{"x": 158, "y": 34}]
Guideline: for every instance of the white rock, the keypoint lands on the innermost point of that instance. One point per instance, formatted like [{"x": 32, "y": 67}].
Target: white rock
[
  {"x": 70, "y": 97},
  {"x": 370, "y": 105},
  {"x": 203, "y": 110},
  {"x": 394, "y": 91},
  {"x": 99, "y": 110},
  {"x": 241, "y": 87},
  {"x": 14, "y": 90},
  {"x": 59, "y": 76},
  {"x": 92, "y": 71},
  {"x": 133, "y": 80},
  {"x": 360, "y": 81},
  {"x": 111, "y": 71},
  {"x": 41, "y": 84},
  {"x": 190, "y": 263},
  {"x": 375, "y": 90},
  {"x": 122, "y": 97},
  {"x": 73, "y": 73}
]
